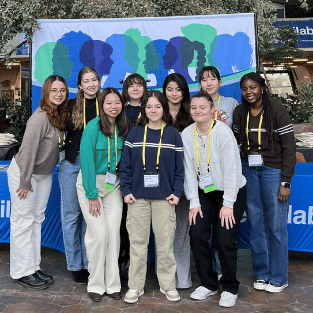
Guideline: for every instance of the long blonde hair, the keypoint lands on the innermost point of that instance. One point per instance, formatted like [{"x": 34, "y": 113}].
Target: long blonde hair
[{"x": 78, "y": 111}]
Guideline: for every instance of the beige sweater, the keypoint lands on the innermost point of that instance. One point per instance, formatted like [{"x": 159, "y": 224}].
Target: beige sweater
[
  {"x": 39, "y": 152},
  {"x": 225, "y": 164}
]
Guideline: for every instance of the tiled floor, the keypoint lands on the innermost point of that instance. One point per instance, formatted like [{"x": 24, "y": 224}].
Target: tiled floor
[{"x": 65, "y": 296}]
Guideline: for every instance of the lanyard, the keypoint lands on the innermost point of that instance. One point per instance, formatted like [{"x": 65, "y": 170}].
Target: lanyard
[
  {"x": 218, "y": 105},
  {"x": 196, "y": 147},
  {"x": 109, "y": 151},
  {"x": 144, "y": 149},
  {"x": 97, "y": 105},
  {"x": 259, "y": 130},
  {"x": 60, "y": 140}
]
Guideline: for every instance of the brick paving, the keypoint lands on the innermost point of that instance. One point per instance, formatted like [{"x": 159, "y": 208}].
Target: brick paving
[{"x": 67, "y": 297}]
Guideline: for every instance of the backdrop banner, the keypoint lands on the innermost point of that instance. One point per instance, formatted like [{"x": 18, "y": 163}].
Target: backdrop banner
[
  {"x": 300, "y": 215},
  {"x": 51, "y": 232},
  {"x": 151, "y": 47}
]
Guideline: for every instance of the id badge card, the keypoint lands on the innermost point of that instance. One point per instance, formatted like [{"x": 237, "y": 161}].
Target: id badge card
[
  {"x": 61, "y": 155},
  {"x": 255, "y": 160},
  {"x": 207, "y": 183},
  {"x": 110, "y": 180},
  {"x": 151, "y": 180}
]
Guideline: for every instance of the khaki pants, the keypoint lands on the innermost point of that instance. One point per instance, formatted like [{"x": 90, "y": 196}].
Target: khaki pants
[
  {"x": 138, "y": 222},
  {"x": 102, "y": 237}
]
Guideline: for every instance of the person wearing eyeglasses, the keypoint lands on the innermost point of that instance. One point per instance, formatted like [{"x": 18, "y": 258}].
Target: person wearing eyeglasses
[{"x": 30, "y": 180}]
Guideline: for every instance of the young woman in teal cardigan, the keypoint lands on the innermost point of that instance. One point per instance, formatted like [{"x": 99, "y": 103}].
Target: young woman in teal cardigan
[{"x": 99, "y": 194}]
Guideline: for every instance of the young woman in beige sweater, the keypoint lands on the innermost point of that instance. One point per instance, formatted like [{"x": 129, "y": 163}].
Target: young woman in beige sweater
[{"x": 30, "y": 180}]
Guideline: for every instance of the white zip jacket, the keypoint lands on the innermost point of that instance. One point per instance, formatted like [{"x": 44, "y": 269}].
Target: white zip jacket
[{"x": 225, "y": 163}]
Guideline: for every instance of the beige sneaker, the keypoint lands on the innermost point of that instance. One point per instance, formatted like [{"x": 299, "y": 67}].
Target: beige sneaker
[
  {"x": 171, "y": 295},
  {"x": 133, "y": 295}
]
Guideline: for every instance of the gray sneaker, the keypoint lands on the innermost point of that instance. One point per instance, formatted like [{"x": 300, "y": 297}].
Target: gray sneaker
[
  {"x": 171, "y": 295},
  {"x": 133, "y": 295}
]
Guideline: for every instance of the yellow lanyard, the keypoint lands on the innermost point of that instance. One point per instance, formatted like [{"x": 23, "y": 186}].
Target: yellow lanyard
[
  {"x": 196, "y": 147},
  {"x": 218, "y": 105},
  {"x": 97, "y": 105},
  {"x": 144, "y": 149},
  {"x": 109, "y": 151},
  {"x": 259, "y": 130},
  {"x": 60, "y": 140}
]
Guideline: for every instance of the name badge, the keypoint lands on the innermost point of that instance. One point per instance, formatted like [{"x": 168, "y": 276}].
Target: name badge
[
  {"x": 207, "y": 183},
  {"x": 61, "y": 155},
  {"x": 151, "y": 180},
  {"x": 110, "y": 180},
  {"x": 255, "y": 160}
]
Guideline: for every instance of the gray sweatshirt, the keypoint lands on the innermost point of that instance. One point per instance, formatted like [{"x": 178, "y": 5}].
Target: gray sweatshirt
[
  {"x": 39, "y": 152},
  {"x": 225, "y": 110}
]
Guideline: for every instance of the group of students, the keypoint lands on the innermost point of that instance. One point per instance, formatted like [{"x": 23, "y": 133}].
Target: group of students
[{"x": 185, "y": 166}]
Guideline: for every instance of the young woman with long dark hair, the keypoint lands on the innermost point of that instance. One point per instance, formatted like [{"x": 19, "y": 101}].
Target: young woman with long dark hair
[
  {"x": 30, "y": 181},
  {"x": 176, "y": 90},
  {"x": 99, "y": 194},
  {"x": 84, "y": 108},
  {"x": 265, "y": 134},
  {"x": 152, "y": 175}
]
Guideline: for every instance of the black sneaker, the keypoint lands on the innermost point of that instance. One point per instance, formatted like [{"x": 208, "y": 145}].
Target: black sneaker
[
  {"x": 48, "y": 278},
  {"x": 79, "y": 277},
  {"x": 32, "y": 281}
]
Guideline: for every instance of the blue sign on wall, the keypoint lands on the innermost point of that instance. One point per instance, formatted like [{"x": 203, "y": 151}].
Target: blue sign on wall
[{"x": 304, "y": 30}]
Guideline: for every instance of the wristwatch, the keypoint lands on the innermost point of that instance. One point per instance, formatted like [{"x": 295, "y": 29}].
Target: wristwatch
[{"x": 285, "y": 184}]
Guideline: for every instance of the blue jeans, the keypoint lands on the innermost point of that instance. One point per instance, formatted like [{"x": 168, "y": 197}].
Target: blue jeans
[
  {"x": 267, "y": 217},
  {"x": 73, "y": 223}
]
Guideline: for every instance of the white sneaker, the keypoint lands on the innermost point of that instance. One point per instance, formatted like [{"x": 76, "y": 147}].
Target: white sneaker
[
  {"x": 133, "y": 295},
  {"x": 260, "y": 284},
  {"x": 202, "y": 293},
  {"x": 228, "y": 299},
  {"x": 272, "y": 288},
  {"x": 171, "y": 295}
]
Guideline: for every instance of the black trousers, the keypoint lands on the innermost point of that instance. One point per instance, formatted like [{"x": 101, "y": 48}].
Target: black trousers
[
  {"x": 124, "y": 248},
  {"x": 226, "y": 241}
]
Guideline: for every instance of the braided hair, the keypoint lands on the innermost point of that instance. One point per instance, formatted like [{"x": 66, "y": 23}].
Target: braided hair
[{"x": 266, "y": 110}]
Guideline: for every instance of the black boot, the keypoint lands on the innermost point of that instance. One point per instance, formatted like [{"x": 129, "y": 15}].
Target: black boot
[
  {"x": 48, "y": 278},
  {"x": 79, "y": 277},
  {"x": 32, "y": 281},
  {"x": 85, "y": 273}
]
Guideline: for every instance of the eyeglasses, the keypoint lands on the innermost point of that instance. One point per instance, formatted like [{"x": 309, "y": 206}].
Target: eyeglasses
[{"x": 56, "y": 91}]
